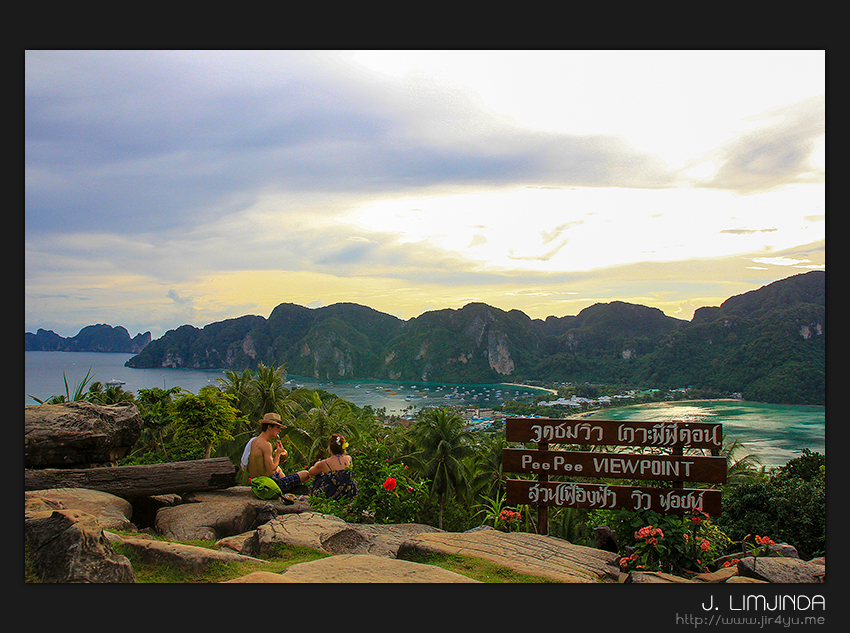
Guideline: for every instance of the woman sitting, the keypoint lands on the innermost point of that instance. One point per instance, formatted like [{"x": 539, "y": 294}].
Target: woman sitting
[{"x": 331, "y": 476}]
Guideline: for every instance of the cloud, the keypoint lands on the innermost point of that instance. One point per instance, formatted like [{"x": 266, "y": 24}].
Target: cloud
[
  {"x": 775, "y": 154},
  {"x": 159, "y": 139}
]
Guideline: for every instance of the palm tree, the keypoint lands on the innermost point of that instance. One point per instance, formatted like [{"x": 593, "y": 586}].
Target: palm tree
[
  {"x": 743, "y": 469},
  {"x": 322, "y": 418},
  {"x": 442, "y": 446},
  {"x": 488, "y": 478},
  {"x": 241, "y": 386}
]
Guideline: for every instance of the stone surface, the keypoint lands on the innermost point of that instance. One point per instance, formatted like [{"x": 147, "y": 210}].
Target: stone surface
[
  {"x": 188, "y": 558},
  {"x": 205, "y": 521},
  {"x": 79, "y": 433},
  {"x": 69, "y": 546},
  {"x": 781, "y": 570},
  {"x": 111, "y": 512},
  {"x": 654, "y": 577},
  {"x": 534, "y": 554},
  {"x": 331, "y": 534},
  {"x": 359, "y": 568}
]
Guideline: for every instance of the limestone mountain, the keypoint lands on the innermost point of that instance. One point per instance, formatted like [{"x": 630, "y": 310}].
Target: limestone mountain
[
  {"x": 92, "y": 338},
  {"x": 768, "y": 344}
]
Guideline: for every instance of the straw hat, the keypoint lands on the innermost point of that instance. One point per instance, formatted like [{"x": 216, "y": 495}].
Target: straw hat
[{"x": 271, "y": 418}]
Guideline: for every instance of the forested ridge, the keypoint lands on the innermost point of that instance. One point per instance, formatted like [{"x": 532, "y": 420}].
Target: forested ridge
[{"x": 767, "y": 344}]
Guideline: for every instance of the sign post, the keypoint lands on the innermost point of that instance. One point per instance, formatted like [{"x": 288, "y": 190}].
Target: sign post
[{"x": 673, "y": 465}]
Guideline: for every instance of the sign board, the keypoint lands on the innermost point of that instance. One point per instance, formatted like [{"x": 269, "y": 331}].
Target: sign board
[
  {"x": 609, "y": 497},
  {"x": 615, "y": 465},
  {"x": 675, "y": 434},
  {"x": 674, "y": 466}
]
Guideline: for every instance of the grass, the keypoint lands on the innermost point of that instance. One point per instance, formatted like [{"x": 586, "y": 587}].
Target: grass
[
  {"x": 476, "y": 568},
  {"x": 282, "y": 557}
]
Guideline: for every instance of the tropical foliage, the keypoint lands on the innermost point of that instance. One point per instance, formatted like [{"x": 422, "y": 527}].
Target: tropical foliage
[{"x": 438, "y": 472}]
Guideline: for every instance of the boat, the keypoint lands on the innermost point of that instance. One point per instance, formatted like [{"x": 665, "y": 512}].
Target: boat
[{"x": 115, "y": 381}]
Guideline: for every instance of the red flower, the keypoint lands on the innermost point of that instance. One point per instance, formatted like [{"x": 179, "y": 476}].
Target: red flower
[{"x": 389, "y": 484}]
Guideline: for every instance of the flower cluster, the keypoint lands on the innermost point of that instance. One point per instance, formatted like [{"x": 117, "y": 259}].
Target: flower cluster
[
  {"x": 509, "y": 517},
  {"x": 674, "y": 544},
  {"x": 650, "y": 533},
  {"x": 761, "y": 547},
  {"x": 390, "y": 484}
]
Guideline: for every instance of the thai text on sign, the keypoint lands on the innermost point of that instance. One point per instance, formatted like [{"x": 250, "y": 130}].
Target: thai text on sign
[
  {"x": 610, "y": 497},
  {"x": 675, "y": 434}
]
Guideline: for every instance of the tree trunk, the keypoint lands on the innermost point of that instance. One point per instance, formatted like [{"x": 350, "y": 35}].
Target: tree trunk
[{"x": 139, "y": 481}]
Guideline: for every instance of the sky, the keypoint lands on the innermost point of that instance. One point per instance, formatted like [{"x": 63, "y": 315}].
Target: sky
[{"x": 165, "y": 188}]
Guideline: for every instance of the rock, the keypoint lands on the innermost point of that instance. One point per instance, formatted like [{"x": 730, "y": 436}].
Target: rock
[
  {"x": 533, "y": 554},
  {"x": 69, "y": 546},
  {"x": 263, "y": 577},
  {"x": 721, "y": 575},
  {"x": 781, "y": 570},
  {"x": 331, "y": 534},
  {"x": 205, "y": 521},
  {"x": 606, "y": 538},
  {"x": 743, "y": 579},
  {"x": 246, "y": 543},
  {"x": 79, "y": 434},
  {"x": 243, "y": 493},
  {"x": 359, "y": 568},
  {"x": 111, "y": 512},
  {"x": 645, "y": 577},
  {"x": 189, "y": 558}
]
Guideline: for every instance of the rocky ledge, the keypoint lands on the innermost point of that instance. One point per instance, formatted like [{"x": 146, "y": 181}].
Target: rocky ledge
[{"x": 70, "y": 534}]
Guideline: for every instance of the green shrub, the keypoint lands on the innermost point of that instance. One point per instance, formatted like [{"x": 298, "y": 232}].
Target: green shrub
[
  {"x": 789, "y": 506},
  {"x": 387, "y": 493}
]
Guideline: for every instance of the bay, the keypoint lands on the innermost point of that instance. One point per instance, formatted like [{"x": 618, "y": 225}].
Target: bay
[
  {"x": 44, "y": 378},
  {"x": 774, "y": 433}
]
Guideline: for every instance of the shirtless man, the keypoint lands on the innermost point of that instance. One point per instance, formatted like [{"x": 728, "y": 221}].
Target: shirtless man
[{"x": 261, "y": 461}]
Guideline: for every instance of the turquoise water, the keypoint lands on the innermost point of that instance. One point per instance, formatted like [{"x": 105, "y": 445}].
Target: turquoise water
[{"x": 774, "y": 433}]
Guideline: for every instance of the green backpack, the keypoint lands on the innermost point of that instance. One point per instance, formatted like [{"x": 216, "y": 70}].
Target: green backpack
[{"x": 265, "y": 488}]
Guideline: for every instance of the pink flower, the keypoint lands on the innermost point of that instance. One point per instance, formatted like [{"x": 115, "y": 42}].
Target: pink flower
[{"x": 704, "y": 545}]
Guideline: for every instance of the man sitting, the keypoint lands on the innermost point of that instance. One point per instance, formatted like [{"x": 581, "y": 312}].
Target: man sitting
[{"x": 259, "y": 460}]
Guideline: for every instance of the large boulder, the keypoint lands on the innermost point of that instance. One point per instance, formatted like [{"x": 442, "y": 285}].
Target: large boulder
[
  {"x": 357, "y": 568},
  {"x": 110, "y": 512},
  {"x": 330, "y": 534},
  {"x": 79, "y": 434},
  {"x": 781, "y": 570},
  {"x": 187, "y": 558},
  {"x": 69, "y": 546},
  {"x": 205, "y": 521},
  {"x": 526, "y": 553}
]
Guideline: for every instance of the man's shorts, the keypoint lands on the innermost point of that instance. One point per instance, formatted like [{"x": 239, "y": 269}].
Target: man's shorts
[{"x": 287, "y": 482}]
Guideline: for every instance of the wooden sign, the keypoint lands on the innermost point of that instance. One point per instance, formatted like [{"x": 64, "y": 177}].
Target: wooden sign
[
  {"x": 608, "y": 497},
  {"x": 676, "y": 434},
  {"x": 676, "y": 467},
  {"x": 615, "y": 465}
]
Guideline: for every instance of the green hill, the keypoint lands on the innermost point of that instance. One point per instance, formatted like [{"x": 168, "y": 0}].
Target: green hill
[{"x": 768, "y": 344}]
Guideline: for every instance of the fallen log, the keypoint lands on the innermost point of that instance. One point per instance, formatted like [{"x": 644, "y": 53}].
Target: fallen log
[{"x": 139, "y": 481}]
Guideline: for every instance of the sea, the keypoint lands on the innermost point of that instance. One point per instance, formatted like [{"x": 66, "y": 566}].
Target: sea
[{"x": 773, "y": 433}]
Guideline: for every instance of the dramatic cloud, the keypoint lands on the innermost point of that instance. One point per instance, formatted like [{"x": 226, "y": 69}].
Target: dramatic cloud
[{"x": 164, "y": 187}]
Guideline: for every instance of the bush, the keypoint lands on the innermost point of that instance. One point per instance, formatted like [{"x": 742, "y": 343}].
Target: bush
[
  {"x": 664, "y": 542},
  {"x": 789, "y": 506},
  {"x": 387, "y": 493}
]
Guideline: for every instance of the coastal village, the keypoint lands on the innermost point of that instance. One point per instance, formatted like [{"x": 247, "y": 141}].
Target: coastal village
[{"x": 483, "y": 417}]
